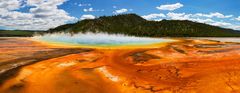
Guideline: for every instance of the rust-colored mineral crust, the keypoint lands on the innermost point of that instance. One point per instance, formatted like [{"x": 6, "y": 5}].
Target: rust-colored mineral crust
[{"x": 186, "y": 66}]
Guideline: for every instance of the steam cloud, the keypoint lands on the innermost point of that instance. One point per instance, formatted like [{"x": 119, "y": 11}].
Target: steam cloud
[{"x": 98, "y": 39}]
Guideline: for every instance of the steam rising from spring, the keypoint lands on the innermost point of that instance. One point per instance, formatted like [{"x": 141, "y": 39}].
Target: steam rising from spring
[{"x": 98, "y": 39}]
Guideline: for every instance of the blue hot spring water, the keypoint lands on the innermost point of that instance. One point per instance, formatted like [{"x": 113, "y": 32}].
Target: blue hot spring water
[{"x": 98, "y": 39}]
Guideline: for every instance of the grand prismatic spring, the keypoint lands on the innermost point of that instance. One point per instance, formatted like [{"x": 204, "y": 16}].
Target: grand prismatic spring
[{"x": 82, "y": 63}]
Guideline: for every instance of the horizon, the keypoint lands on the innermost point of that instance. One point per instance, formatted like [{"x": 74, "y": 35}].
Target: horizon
[
  {"x": 45, "y": 14},
  {"x": 110, "y": 16}
]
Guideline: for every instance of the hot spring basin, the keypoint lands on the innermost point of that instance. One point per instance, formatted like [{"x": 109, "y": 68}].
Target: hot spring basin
[{"x": 99, "y": 39}]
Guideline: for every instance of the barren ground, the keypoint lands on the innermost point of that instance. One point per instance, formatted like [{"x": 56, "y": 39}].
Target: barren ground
[{"x": 187, "y": 66}]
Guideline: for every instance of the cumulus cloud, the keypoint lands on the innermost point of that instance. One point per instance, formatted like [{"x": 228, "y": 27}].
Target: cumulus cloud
[
  {"x": 215, "y": 14},
  {"x": 184, "y": 16},
  {"x": 178, "y": 16},
  {"x": 192, "y": 17},
  {"x": 236, "y": 27},
  {"x": 222, "y": 24},
  {"x": 238, "y": 18},
  {"x": 201, "y": 20},
  {"x": 153, "y": 16},
  {"x": 120, "y": 11},
  {"x": 10, "y": 4},
  {"x": 170, "y": 7},
  {"x": 42, "y": 15},
  {"x": 87, "y": 17}
]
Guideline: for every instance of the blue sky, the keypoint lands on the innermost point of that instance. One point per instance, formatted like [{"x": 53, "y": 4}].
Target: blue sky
[
  {"x": 45, "y": 14},
  {"x": 144, "y": 7}
]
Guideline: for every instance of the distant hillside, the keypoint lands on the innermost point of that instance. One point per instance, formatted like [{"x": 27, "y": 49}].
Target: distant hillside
[
  {"x": 17, "y": 33},
  {"x": 132, "y": 24}
]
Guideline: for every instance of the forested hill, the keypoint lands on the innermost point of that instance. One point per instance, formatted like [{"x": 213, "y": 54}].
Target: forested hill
[
  {"x": 132, "y": 24},
  {"x": 18, "y": 33}
]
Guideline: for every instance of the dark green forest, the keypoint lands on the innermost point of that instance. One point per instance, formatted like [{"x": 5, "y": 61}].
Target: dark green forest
[
  {"x": 16, "y": 33},
  {"x": 132, "y": 24}
]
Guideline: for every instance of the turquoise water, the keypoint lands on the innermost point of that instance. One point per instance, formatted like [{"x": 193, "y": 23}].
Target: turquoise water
[{"x": 99, "y": 39}]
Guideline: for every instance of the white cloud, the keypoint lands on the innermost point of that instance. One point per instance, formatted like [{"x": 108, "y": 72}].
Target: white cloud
[
  {"x": 237, "y": 27},
  {"x": 238, "y": 18},
  {"x": 10, "y": 4},
  {"x": 215, "y": 14},
  {"x": 84, "y": 4},
  {"x": 221, "y": 24},
  {"x": 34, "y": 2},
  {"x": 170, "y": 7},
  {"x": 88, "y": 10},
  {"x": 91, "y": 10},
  {"x": 200, "y": 20},
  {"x": 208, "y": 20},
  {"x": 41, "y": 16},
  {"x": 153, "y": 16},
  {"x": 87, "y": 17},
  {"x": 198, "y": 17},
  {"x": 178, "y": 16},
  {"x": 120, "y": 11},
  {"x": 191, "y": 17}
]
